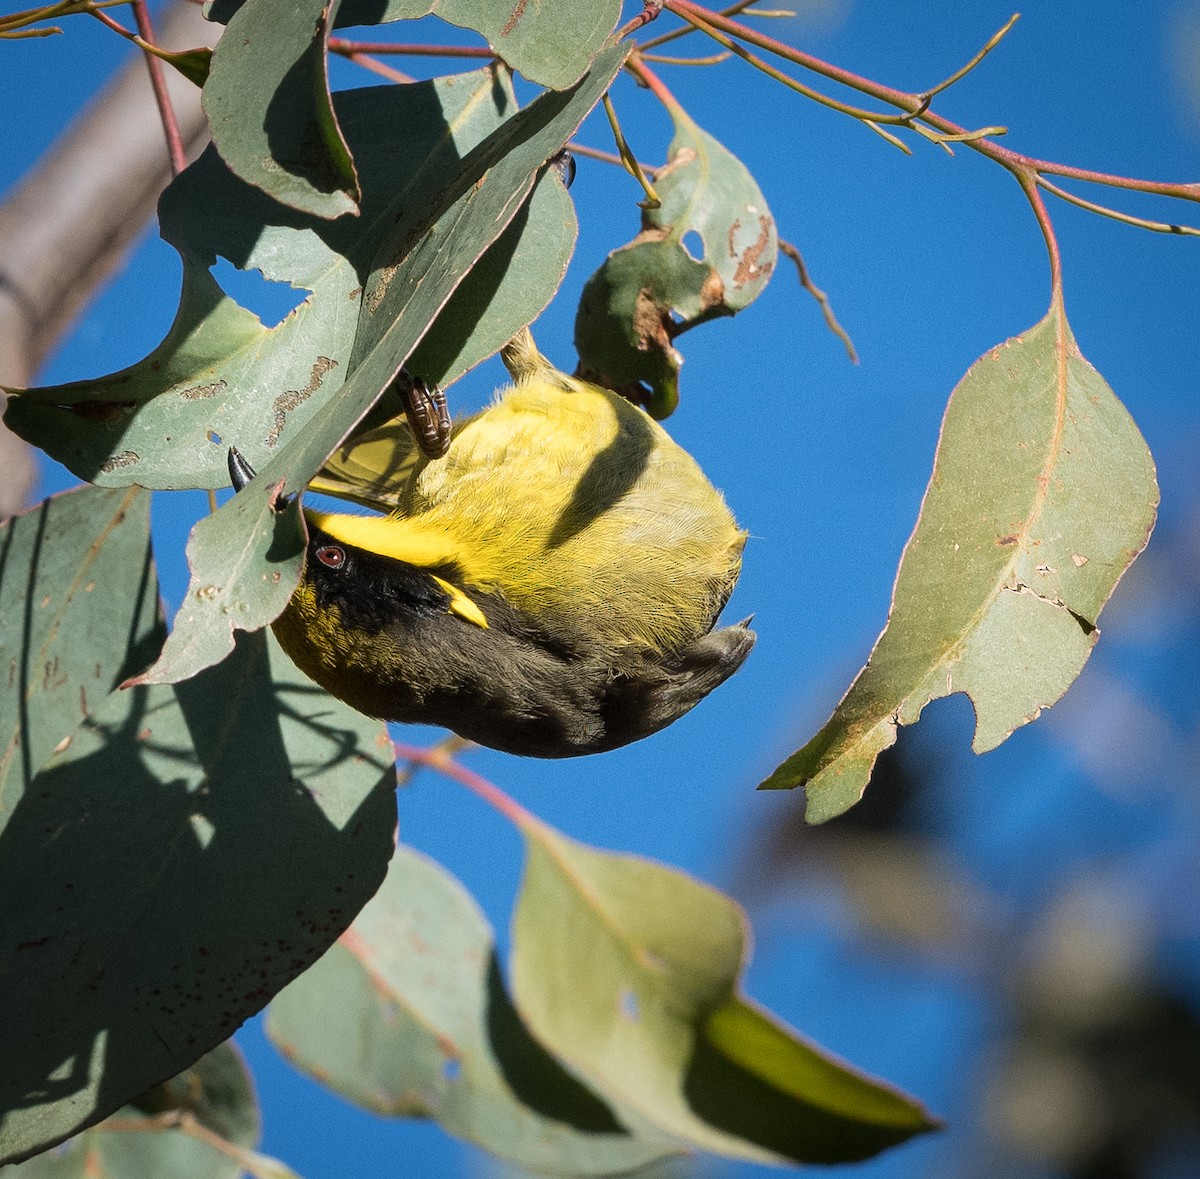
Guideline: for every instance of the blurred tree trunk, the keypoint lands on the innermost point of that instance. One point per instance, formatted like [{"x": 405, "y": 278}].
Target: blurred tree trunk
[{"x": 73, "y": 218}]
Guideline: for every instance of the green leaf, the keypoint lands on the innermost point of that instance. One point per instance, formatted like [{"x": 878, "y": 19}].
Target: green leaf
[
  {"x": 193, "y": 64},
  {"x": 213, "y": 1097},
  {"x": 708, "y": 251},
  {"x": 553, "y": 43},
  {"x": 408, "y": 1016},
  {"x": 269, "y": 107},
  {"x": 628, "y": 971},
  {"x": 79, "y": 612},
  {"x": 192, "y": 849},
  {"x": 1043, "y": 493},
  {"x": 221, "y": 377}
]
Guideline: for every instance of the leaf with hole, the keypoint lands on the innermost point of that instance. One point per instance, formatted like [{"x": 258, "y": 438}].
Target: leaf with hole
[{"x": 708, "y": 251}]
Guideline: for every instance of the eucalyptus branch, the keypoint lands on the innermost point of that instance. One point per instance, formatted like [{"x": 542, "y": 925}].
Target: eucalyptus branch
[
  {"x": 379, "y": 67},
  {"x": 166, "y": 111},
  {"x": 666, "y": 59},
  {"x": 349, "y": 48},
  {"x": 28, "y": 17},
  {"x": 743, "y": 7},
  {"x": 917, "y": 115},
  {"x": 1116, "y": 214},
  {"x": 959, "y": 74},
  {"x": 608, "y": 157}
]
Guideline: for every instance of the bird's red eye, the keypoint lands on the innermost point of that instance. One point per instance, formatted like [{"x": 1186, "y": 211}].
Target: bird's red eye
[{"x": 331, "y": 555}]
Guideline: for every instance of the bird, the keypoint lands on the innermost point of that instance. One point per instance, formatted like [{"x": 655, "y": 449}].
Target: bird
[{"x": 543, "y": 578}]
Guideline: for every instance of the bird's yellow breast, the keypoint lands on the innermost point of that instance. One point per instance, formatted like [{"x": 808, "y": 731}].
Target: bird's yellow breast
[{"x": 580, "y": 509}]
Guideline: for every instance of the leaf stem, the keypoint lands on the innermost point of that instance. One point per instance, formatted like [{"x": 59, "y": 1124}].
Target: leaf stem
[
  {"x": 790, "y": 251},
  {"x": 629, "y": 159}
]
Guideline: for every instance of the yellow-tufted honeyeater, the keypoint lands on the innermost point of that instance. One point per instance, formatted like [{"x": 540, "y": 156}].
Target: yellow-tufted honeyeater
[{"x": 548, "y": 587}]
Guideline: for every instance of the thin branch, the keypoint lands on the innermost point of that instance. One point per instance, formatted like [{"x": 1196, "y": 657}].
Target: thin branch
[
  {"x": 958, "y": 75},
  {"x": 608, "y": 157},
  {"x": 166, "y": 111},
  {"x": 1116, "y": 214},
  {"x": 740, "y": 8},
  {"x": 790, "y": 251},
  {"x": 379, "y": 67},
  {"x": 666, "y": 59},
  {"x": 349, "y": 48}
]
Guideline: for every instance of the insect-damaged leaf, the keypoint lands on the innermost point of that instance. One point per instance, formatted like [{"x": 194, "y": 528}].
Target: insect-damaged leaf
[
  {"x": 707, "y": 251},
  {"x": 1042, "y": 495},
  {"x": 628, "y": 971},
  {"x": 408, "y": 1016},
  {"x": 191, "y": 850}
]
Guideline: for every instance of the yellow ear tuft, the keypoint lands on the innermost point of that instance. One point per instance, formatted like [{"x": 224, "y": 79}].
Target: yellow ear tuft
[{"x": 461, "y": 605}]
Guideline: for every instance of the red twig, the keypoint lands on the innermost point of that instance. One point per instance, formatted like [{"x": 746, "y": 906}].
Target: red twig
[
  {"x": 341, "y": 45},
  {"x": 439, "y": 759},
  {"x": 166, "y": 111}
]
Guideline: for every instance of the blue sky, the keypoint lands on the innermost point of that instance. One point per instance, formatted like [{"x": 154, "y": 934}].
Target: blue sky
[{"x": 929, "y": 261}]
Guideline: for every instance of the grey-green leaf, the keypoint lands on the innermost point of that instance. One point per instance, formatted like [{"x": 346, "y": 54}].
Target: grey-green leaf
[
  {"x": 628, "y": 971},
  {"x": 79, "y": 612},
  {"x": 1043, "y": 493},
  {"x": 195, "y": 848},
  {"x": 408, "y": 1016},
  {"x": 708, "y": 251},
  {"x": 268, "y": 104},
  {"x": 213, "y": 1097}
]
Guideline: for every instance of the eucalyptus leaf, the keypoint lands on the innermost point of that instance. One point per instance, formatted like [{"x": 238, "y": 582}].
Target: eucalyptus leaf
[
  {"x": 408, "y": 1016},
  {"x": 708, "y": 250},
  {"x": 628, "y": 971},
  {"x": 195, "y": 848},
  {"x": 135, "y": 1143},
  {"x": 270, "y": 111},
  {"x": 79, "y": 612},
  {"x": 1043, "y": 493}
]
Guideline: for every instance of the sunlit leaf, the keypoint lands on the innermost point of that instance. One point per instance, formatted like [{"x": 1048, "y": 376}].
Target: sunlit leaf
[
  {"x": 408, "y": 1016},
  {"x": 708, "y": 251},
  {"x": 628, "y": 971},
  {"x": 1043, "y": 493},
  {"x": 194, "y": 848}
]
